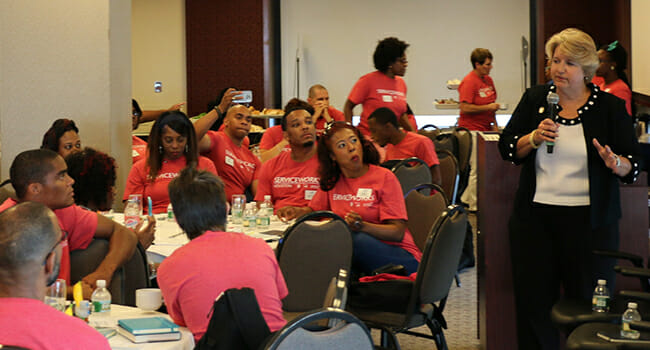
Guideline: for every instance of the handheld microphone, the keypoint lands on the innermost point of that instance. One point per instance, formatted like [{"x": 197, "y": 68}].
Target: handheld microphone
[{"x": 552, "y": 99}]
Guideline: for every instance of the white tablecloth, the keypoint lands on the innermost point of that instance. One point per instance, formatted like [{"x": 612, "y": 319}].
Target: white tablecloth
[
  {"x": 170, "y": 237},
  {"x": 119, "y": 342}
]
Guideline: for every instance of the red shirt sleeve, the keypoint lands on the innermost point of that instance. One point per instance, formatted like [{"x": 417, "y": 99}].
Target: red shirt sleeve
[
  {"x": 320, "y": 201},
  {"x": 264, "y": 180},
  {"x": 137, "y": 179},
  {"x": 428, "y": 150},
  {"x": 80, "y": 223},
  {"x": 359, "y": 91},
  {"x": 467, "y": 89},
  {"x": 336, "y": 114},
  {"x": 392, "y": 205}
]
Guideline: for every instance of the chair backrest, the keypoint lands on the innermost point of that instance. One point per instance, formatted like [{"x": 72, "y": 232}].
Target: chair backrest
[
  {"x": 441, "y": 255},
  {"x": 449, "y": 174},
  {"x": 423, "y": 210},
  {"x": 464, "y": 137},
  {"x": 350, "y": 333},
  {"x": 134, "y": 274},
  {"x": 447, "y": 141},
  {"x": 309, "y": 255},
  {"x": 411, "y": 172},
  {"x": 431, "y": 131}
]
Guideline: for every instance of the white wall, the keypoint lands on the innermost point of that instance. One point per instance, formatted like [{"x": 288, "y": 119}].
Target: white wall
[
  {"x": 640, "y": 46},
  {"x": 57, "y": 62},
  {"x": 158, "y": 52},
  {"x": 339, "y": 36}
]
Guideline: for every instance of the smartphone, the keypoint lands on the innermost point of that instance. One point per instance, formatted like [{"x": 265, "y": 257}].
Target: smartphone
[{"x": 244, "y": 96}]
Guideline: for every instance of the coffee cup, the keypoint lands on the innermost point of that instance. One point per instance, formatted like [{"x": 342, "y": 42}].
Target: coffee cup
[{"x": 148, "y": 299}]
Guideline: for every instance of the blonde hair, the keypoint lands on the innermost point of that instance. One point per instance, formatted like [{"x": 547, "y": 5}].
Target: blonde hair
[{"x": 579, "y": 46}]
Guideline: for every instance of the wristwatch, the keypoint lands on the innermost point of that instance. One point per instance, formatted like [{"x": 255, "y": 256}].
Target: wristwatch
[{"x": 618, "y": 160}]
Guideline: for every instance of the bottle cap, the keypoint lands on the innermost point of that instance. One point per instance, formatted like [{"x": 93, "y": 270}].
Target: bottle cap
[
  {"x": 602, "y": 282},
  {"x": 632, "y": 305},
  {"x": 101, "y": 283}
]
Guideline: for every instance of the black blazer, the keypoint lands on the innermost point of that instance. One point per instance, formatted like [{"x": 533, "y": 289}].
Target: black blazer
[{"x": 605, "y": 118}]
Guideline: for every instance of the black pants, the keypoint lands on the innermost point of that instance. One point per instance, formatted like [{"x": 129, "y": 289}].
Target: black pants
[{"x": 551, "y": 249}]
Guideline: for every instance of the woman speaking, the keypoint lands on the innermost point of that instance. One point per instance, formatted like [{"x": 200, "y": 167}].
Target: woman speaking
[{"x": 574, "y": 142}]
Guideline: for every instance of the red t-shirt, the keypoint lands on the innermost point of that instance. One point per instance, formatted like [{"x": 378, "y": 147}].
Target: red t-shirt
[
  {"x": 375, "y": 90},
  {"x": 138, "y": 181},
  {"x": 477, "y": 91},
  {"x": 271, "y": 137},
  {"x": 196, "y": 273},
  {"x": 376, "y": 196},
  {"x": 617, "y": 88},
  {"x": 31, "y": 324},
  {"x": 237, "y": 165},
  {"x": 139, "y": 149},
  {"x": 334, "y": 113},
  {"x": 413, "y": 145},
  {"x": 80, "y": 224},
  {"x": 287, "y": 181}
]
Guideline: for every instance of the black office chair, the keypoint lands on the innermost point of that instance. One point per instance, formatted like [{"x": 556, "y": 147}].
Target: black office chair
[
  {"x": 413, "y": 304},
  {"x": 449, "y": 174},
  {"x": 310, "y": 254},
  {"x": 410, "y": 172},
  {"x": 348, "y": 333}
]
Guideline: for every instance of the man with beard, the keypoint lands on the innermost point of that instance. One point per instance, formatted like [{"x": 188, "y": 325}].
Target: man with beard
[
  {"x": 42, "y": 176},
  {"x": 30, "y": 257},
  {"x": 291, "y": 178}
]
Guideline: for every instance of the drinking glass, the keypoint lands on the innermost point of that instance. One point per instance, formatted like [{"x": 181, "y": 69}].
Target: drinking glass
[
  {"x": 55, "y": 295},
  {"x": 237, "y": 208}
]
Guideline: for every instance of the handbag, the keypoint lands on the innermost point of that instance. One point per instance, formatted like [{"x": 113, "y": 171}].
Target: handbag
[{"x": 236, "y": 322}]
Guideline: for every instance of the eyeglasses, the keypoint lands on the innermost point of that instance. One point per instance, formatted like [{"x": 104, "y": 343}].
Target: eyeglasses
[
  {"x": 331, "y": 125},
  {"x": 64, "y": 236}
]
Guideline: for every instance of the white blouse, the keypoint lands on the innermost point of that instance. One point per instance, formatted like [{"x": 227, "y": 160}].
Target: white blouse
[{"x": 562, "y": 176}]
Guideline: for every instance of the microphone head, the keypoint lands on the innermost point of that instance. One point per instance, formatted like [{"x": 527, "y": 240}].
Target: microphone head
[{"x": 553, "y": 98}]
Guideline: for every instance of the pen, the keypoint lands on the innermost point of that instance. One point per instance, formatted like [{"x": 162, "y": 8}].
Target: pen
[{"x": 149, "y": 202}]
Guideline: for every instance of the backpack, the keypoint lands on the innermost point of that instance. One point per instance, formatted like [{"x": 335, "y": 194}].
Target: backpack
[{"x": 236, "y": 322}]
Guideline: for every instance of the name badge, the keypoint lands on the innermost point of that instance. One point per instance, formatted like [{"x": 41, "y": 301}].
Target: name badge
[
  {"x": 230, "y": 161},
  {"x": 387, "y": 98},
  {"x": 364, "y": 193},
  {"x": 482, "y": 94},
  {"x": 134, "y": 153},
  {"x": 309, "y": 194}
]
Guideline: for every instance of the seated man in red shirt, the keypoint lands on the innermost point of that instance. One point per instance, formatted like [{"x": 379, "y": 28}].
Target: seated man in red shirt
[
  {"x": 402, "y": 144},
  {"x": 213, "y": 261},
  {"x": 42, "y": 176},
  {"x": 291, "y": 178},
  {"x": 31, "y": 246},
  {"x": 236, "y": 164},
  {"x": 319, "y": 98}
]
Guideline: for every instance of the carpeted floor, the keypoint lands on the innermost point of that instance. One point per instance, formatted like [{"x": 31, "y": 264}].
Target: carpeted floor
[{"x": 461, "y": 313}]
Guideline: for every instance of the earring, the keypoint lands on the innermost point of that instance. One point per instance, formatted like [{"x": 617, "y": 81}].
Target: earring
[
  {"x": 160, "y": 149},
  {"x": 612, "y": 67},
  {"x": 186, "y": 148}
]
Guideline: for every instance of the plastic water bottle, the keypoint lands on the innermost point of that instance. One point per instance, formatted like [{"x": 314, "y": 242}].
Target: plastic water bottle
[
  {"x": 265, "y": 212},
  {"x": 170, "y": 212},
  {"x": 631, "y": 314},
  {"x": 250, "y": 215},
  {"x": 132, "y": 214},
  {"x": 101, "y": 300},
  {"x": 600, "y": 300}
]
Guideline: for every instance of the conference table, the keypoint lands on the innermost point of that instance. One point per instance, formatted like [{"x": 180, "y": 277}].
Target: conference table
[{"x": 169, "y": 236}]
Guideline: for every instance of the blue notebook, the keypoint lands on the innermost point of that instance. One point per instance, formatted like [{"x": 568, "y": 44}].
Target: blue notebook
[{"x": 148, "y": 325}]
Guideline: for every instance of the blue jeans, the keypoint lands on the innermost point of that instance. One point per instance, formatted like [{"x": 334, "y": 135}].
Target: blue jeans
[{"x": 370, "y": 253}]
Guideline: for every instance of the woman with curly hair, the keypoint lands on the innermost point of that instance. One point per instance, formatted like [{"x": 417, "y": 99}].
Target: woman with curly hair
[
  {"x": 383, "y": 87},
  {"x": 367, "y": 196},
  {"x": 171, "y": 147},
  {"x": 62, "y": 137},
  {"x": 94, "y": 177}
]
